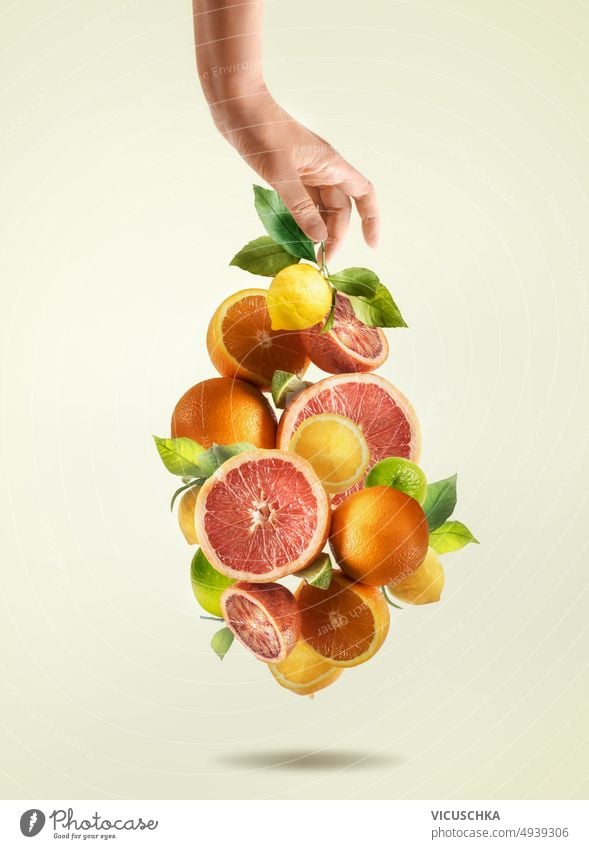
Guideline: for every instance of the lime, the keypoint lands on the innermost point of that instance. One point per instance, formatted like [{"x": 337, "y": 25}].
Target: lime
[
  {"x": 298, "y": 297},
  {"x": 285, "y": 386},
  {"x": 401, "y": 474},
  {"x": 207, "y": 584},
  {"x": 319, "y": 573}
]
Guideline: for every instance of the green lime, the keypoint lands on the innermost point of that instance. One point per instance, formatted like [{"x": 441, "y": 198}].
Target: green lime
[
  {"x": 207, "y": 584},
  {"x": 401, "y": 474},
  {"x": 285, "y": 386},
  {"x": 319, "y": 573}
]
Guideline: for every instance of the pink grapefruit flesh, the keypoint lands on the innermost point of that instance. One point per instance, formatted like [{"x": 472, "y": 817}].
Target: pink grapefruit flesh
[
  {"x": 386, "y": 418},
  {"x": 350, "y": 346},
  {"x": 264, "y": 617},
  {"x": 262, "y": 515}
]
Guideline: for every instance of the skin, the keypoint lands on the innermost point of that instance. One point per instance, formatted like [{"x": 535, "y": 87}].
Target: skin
[{"x": 315, "y": 182}]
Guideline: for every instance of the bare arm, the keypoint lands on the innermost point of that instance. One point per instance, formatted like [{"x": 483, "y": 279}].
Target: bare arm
[{"x": 306, "y": 171}]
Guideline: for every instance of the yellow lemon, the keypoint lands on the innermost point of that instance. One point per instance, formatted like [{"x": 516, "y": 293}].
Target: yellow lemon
[
  {"x": 186, "y": 514},
  {"x": 336, "y": 448},
  {"x": 304, "y": 671},
  {"x": 423, "y": 586},
  {"x": 299, "y": 297}
]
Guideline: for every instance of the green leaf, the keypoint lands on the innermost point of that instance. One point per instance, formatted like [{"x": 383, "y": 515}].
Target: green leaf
[
  {"x": 263, "y": 256},
  {"x": 216, "y": 455},
  {"x": 221, "y": 642},
  {"x": 330, "y": 317},
  {"x": 450, "y": 536},
  {"x": 355, "y": 281},
  {"x": 440, "y": 502},
  {"x": 280, "y": 225},
  {"x": 188, "y": 485},
  {"x": 180, "y": 456},
  {"x": 378, "y": 311},
  {"x": 319, "y": 573}
]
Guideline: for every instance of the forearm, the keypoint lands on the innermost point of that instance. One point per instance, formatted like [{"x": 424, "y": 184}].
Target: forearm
[{"x": 228, "y": 38}]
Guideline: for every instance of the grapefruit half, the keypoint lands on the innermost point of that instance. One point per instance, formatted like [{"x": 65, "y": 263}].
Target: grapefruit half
[
  {"x": 386, "y": 418},
  {"x": 262, "y": 515}
]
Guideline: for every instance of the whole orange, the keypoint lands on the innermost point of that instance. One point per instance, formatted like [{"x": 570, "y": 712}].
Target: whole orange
[
  {"x": 379, "y": 535},
  {"x": 224, "y": 411}
]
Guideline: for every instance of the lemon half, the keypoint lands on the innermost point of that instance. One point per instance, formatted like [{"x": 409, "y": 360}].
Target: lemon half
[{"x": 336, "y": 448}]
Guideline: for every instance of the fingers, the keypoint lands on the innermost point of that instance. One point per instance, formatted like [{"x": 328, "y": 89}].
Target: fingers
[
  {"x": 302, "y": 208},
  {"x": 337, "y": 208},
  {"x": 358, "y": 187}
]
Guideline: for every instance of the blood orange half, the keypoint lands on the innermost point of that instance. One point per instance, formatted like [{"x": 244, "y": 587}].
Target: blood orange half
[
  {"x": 387, "y": 419},
  {"x": 262, "y": 515},
  {"x": 349, "y": 346},
  {"x": 264, "y": 617}
]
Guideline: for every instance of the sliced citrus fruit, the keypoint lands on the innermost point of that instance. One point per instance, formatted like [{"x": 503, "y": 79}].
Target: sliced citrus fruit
[
  {"x": 304, "y": 672},
  {"x": 346, "y": 623},
  {"x": 285, "y": 386},
  {"x": 225, "y": 411},
  {"x": 242, "y": 344},
  {"x": 207, "y": 584},
  {"x": 423, "y": 586},
  {"x": 262, "y": 515},
  {"x": 349, "y": 346},
  {"x": 264, "y": 617},
  {"x": 335, "y": 446},
  {"x": 379, "y": 535},
  {"x": 387, "y": 419}
]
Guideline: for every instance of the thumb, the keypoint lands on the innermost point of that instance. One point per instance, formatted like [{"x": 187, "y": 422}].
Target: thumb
[{"x": 302, "y": 208}]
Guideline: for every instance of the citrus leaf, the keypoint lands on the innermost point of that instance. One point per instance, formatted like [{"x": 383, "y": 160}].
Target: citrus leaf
[
  {"x": 440, "y": 502},
  {"x": 329, "y": 321},
  {"x": 188, "y": 485},
  {"x": 180, "y": 455},
  {"x": 355, "y": 281},
  {"x": 263, "y": 256},
  {"x": 280, "y": 225},
  {"x": 221, "y": 453},
  {"x": 451, "y": 536},
  {"x": 319, "y": 573},
  {"x": 221, "y": 642},
  {"x": 379, "y": 310}
]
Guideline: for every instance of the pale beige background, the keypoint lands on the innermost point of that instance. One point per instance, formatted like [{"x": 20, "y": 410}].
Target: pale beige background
[{"x": 120, "y": 210}]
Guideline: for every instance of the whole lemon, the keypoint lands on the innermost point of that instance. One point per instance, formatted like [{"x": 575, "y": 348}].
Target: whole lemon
[
  {"x": 299, "y": 297},
  {"x": 425, "y": 585}
]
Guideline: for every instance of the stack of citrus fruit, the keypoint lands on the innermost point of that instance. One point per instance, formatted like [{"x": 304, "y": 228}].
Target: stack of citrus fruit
[{"x": 262, "y": 499}]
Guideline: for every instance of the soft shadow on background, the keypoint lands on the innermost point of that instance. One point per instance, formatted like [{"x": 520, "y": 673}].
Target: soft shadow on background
[{"x": 303, "y": 760}]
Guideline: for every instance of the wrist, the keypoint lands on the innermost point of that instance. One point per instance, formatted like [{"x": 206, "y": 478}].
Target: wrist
[{"x": 237, "y": 107}]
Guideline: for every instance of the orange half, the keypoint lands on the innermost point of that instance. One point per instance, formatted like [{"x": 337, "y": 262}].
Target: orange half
[
  {"x": 242, "y": 344},
  {"x": 347, "y": 623}
]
